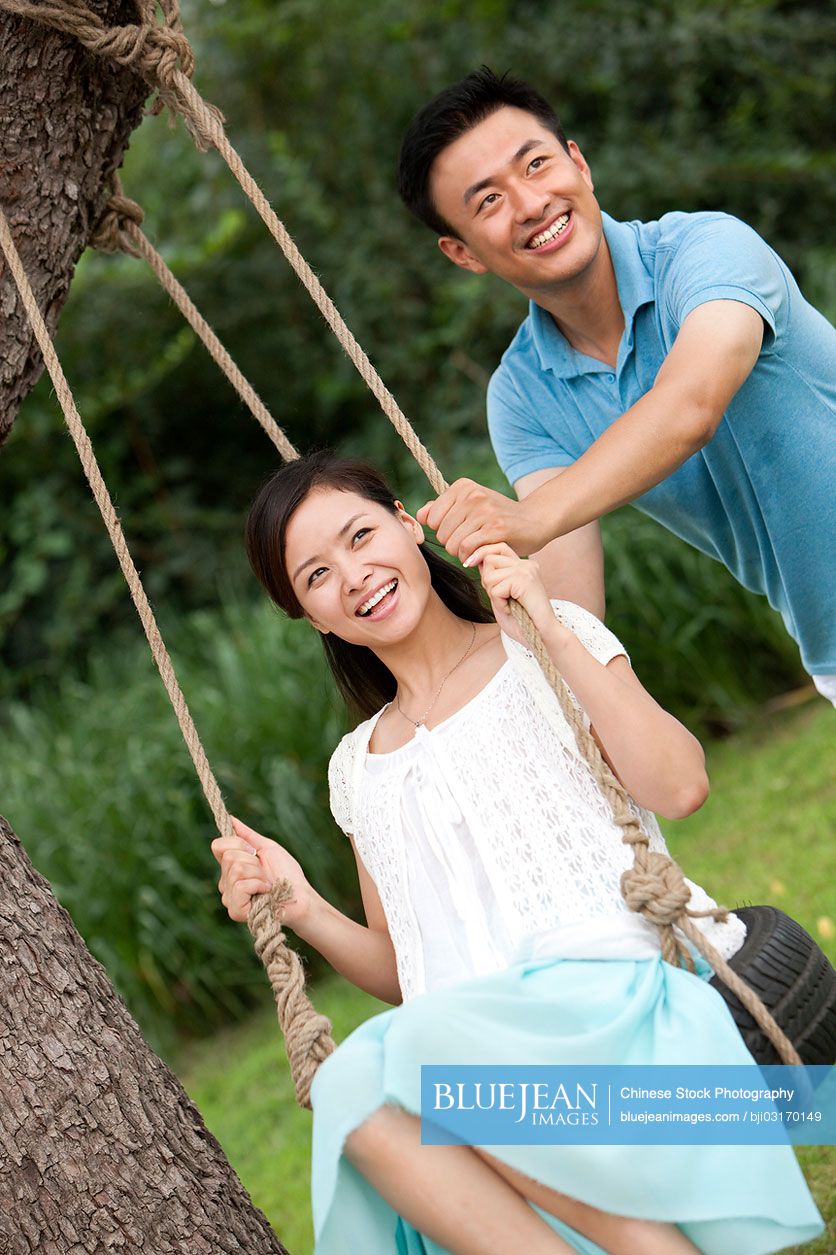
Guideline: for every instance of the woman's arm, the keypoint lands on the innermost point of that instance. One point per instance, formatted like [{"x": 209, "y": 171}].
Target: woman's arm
[
  {"x": 656, "y": 759},
  {"x": 252, "y": 863}
]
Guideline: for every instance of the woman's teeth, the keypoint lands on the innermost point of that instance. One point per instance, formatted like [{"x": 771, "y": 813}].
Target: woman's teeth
[
  {"x": 368, "y": 606},
  {"x": 553, "y": 232}
]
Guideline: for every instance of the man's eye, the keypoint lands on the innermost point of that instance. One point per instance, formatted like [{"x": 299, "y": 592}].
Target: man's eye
[
  {"x": 315, "y": 575},
  {"x": 536, "y": 163},
  {"x": 488, "y": 200}
]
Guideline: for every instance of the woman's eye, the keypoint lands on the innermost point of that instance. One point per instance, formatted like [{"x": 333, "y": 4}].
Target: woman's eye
[
  {"x": 315, "y": 575},
  {"x": 362, "y": 532}
]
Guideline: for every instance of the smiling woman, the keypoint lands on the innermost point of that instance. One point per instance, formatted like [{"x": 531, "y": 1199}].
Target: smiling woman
[
  {"x": 491, "y": 871},
  {"x": 325, "y": 536}
]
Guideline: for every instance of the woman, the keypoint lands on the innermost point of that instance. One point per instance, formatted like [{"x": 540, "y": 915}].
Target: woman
[{"x": 489, "y": 869}]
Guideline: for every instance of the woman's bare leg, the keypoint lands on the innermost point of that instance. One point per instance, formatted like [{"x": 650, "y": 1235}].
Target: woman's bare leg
[
  {"x": 447, "y": 1193},
  {"x": 455, "y": 1195},
  {"x": 618, "y": 1235}
]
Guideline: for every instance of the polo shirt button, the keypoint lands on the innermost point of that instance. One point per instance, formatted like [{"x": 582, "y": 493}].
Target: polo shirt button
[{"x": 611, "y": 378}]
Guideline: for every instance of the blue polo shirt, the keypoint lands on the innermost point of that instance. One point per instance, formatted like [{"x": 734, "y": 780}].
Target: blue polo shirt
[{"x": 760, "y": 497}]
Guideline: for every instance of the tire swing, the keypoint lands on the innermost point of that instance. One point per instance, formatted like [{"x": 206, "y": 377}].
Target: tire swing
[{"x": 780, "y": 987}]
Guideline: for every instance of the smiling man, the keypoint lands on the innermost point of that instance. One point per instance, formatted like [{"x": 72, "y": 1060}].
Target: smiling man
[{"x": 671, "y": 364}]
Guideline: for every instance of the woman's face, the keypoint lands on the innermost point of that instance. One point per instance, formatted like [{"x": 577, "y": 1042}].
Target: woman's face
[{"x": 356, "y": 567}]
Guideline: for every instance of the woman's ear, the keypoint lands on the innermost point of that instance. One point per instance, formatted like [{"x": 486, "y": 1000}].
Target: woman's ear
[
  {"x": 318, "y": 626},
  {"x": 412, "y": 525}
]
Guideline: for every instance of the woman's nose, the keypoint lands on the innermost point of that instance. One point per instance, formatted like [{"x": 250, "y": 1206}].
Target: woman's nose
[{"x": 357, "y": 576}]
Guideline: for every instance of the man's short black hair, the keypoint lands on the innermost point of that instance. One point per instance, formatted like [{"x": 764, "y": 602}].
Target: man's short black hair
[{"x": 448, "y": 116}]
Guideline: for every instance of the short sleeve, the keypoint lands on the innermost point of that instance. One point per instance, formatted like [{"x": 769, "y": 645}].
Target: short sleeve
[
  {"x": 340, "y": 784},
  {"x": 721, "y": 258},
  {"x": 520, "y": 442},
  {"x": 603, "y": 644},
  {"x": 593, "y": 635}
]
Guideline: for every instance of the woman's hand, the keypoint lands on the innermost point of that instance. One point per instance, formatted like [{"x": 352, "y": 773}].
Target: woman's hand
[
  {"x": 505, "y": 576},
  {"x": 251, "y": 864}
]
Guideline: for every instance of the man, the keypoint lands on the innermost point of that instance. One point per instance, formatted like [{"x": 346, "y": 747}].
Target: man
[{"x": 673, "y": 364}]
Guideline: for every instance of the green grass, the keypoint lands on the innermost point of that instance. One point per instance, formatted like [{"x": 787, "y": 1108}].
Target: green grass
[{"x": 766, "y": 834}]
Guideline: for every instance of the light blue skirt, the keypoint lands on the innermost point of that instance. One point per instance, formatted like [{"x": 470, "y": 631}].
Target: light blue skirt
[{"x": 727, "y": 1200}]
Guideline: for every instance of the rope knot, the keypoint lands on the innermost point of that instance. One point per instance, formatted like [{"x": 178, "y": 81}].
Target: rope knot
[
  {"x": 112, "y": 233},
  {"x": 657, "y": 889},
  {"x": 156, "y": 47}
]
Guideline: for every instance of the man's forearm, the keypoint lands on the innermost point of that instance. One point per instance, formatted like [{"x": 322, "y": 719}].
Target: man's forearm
[{"x": 641, "y": 448}]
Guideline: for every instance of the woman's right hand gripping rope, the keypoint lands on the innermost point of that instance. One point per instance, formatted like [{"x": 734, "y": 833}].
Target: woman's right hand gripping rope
[{"x": 250, "y": 864}]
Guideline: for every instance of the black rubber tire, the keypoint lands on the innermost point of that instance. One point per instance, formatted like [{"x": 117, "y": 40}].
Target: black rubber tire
[{"x": 793, "y": 978}]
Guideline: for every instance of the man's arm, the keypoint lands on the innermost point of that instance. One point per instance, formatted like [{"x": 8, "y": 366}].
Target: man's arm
[
  {"x": 714, "y": 352},
  {"x": 571, "y": 567}
]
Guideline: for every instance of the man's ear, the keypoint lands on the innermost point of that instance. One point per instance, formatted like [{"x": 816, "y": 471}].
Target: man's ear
[
  {"x": 580, "y": 161},
  {"x": 411, "y": 524},
  {"x": 460, "y": 254}
]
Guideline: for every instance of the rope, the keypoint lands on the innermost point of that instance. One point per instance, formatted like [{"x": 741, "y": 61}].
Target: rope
[
  {"x": 655, "y": 886},
  {"x": 307, "y": 1034},
  {"x": 119, "y": 228},
  {"x": 163, "y": 56}
]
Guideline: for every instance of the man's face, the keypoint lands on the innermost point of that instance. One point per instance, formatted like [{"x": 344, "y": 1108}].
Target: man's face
[{"x": 519, "y": 204}]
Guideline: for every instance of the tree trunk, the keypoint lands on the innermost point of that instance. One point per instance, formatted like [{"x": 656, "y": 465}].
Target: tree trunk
[
  {"x": 65, "y": 120},
  {"x": 100, "y": 1148}
]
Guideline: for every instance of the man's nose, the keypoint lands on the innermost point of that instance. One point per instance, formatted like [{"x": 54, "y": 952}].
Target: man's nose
[{"x": 530, "y": 203}]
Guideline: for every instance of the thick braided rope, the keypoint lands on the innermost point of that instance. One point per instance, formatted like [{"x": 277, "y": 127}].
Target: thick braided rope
[
  {"x": 307, "y": 1035},
  {"x": 119, "y": 228},
  {"x": 655, "y": 886}
]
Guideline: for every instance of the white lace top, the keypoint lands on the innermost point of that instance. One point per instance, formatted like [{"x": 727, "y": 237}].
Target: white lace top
[{"x": 488, "y": 831}]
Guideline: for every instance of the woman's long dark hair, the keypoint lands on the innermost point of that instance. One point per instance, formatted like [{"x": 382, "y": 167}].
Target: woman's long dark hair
[{"x": 364, "y": 681}]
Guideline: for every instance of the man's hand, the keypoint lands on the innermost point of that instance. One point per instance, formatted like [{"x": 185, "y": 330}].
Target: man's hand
[{"x": 467, "y": 516}]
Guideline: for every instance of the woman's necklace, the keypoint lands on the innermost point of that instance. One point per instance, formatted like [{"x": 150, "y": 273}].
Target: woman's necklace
[{"x": 417, "y": 722}]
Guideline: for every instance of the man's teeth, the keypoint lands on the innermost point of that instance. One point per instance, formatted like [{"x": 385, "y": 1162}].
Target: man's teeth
[
  {"x": 368, "y": 606},
  {"x": 552, "y": 233}
]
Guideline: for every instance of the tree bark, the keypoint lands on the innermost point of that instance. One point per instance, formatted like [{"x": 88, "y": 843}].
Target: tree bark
[
  {"x": 65, "y": 120},
  {"x": 100, "y": 1148}
]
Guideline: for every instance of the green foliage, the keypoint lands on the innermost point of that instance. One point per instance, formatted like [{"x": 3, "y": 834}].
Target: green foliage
[
  {"x": 122, "y": 830},
  {"x": 704, "y": 646},
  {"x": 677, "y": 105}
]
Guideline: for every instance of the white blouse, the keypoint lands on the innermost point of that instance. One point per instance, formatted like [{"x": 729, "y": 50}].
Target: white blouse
[{"x": 487, "y": 837}]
